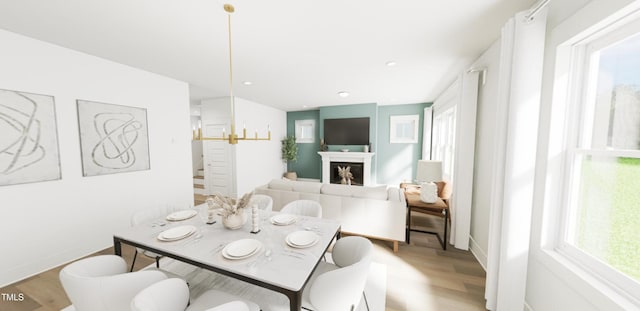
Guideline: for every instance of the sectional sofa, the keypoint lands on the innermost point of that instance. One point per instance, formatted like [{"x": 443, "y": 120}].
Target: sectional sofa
[{"x": 375, "y": 212}]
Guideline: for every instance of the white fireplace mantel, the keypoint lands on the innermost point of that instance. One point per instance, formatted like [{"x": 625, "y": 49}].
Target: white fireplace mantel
[{"x": 337, "y": 156}]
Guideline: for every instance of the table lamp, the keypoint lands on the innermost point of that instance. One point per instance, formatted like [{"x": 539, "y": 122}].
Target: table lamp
[{"x": 427, "y": 173}]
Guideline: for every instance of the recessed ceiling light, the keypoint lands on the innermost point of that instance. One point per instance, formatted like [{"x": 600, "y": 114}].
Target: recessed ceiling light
[
  {"x": 391, "y": 63},
  {"x": 343, "y": 94},
  {"x": 247, "y": 83}
]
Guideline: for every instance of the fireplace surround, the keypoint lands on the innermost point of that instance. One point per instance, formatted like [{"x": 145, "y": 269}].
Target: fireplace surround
[{"x": 353, "y": 158}]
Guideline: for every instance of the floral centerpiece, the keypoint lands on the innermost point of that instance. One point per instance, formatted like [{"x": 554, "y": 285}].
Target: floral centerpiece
[{"x": 230, "y": 210}]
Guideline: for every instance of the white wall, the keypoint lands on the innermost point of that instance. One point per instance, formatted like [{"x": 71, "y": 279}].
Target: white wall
[
  {"x": 259, "y": 161},
  {"x": 551, "y": 283},
  {"x": 484, "y": 152},
  {"x": 46, "y": 224}
]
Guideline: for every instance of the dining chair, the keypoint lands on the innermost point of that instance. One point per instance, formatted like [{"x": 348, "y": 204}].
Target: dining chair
[
  {"x": 303, "y": 208},
  {"x": 231, "y": 306},
  {"x": 173, "y": 295},
  {"x": 102, "y": 283},
  {"x": 143, "y": 216},
  {"x": 339, "y": 286},
  {"x": 264, "y": 202}
]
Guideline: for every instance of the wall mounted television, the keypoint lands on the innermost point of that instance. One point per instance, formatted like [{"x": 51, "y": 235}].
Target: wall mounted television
[{"x": 347, "y": 131}]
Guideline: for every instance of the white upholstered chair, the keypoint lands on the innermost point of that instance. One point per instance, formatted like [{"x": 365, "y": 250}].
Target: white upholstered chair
[
  {"x": 340, "y": 286},
  {"x": 144, "y": 215},
  {"x": 303, "y": 208},
  {"x": 173, "y": 295},
  {"x": 101, "y": 283},
  {"x": 231, "y": 306},
  {"x": 264, "y": 202}
]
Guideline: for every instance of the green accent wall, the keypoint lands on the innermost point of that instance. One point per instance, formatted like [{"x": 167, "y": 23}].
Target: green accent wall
[
  {"x": 351, "y": 111},
  {"x": 309, "y": 163},
  {"x": 397, "y": 162},
  {"x": 392, "y": 163}
]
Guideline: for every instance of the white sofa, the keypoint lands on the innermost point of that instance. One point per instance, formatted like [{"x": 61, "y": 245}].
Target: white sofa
[{"x": 375, "y": 212}]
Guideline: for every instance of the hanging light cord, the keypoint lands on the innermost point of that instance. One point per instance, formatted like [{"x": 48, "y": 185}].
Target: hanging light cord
[{"x": 230, "y": 9}]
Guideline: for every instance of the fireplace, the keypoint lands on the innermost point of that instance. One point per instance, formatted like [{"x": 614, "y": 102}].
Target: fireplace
[
  {"x": 356, "y": 169},
  {"x": 360, "y": 163}
]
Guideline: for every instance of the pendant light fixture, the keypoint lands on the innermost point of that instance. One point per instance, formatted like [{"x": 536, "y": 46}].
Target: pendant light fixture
[{"x": 232, "y": 137}]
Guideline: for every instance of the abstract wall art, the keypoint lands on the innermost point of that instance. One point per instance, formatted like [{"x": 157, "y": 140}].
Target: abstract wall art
[
  {"x": 28, "y": 138},
  {"x": 113, "y": 138}
]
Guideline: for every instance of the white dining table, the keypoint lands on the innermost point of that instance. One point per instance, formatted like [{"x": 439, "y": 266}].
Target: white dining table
[{"x": 275, "y": 266}]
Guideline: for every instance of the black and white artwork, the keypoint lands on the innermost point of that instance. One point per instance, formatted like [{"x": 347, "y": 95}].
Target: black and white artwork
[
  {"x": 113, "y": 138},
  {"x": 28, "y": 138}
]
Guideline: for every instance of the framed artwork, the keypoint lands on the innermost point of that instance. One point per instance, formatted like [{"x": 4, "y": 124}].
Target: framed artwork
[
  {"x": 305, "y": 131},
  {"x": 404, "y": 129},
  {"x": 113, "y": 138},
  {"x": 28, "y": 138}
]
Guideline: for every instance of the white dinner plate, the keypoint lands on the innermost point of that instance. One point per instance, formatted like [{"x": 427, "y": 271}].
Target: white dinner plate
[
  {"x": 302, "y": 239},
  {"x": 241, "y": 249},
  {"x": 283, "y": 219},
  {"x": 176, "y": 233},
  {"x": 182, "y": 215}
]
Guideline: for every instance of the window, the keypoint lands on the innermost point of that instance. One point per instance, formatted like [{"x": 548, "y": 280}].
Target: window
[
  {"x": 443, "y": 144},
  {"x": 601, "y": 230}
]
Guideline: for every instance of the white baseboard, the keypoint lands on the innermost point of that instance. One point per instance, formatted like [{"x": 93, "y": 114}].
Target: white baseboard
[{"x": 478, "y": 252}]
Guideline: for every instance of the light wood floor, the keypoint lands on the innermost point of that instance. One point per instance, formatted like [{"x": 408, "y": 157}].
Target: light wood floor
[{"x": 420, "y": 276}]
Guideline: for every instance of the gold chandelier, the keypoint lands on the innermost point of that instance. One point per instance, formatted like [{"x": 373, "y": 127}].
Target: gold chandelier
[{"x": 232, "y": 138}]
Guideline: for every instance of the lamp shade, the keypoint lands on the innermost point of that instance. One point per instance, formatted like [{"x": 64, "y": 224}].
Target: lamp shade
[{"x": 428, "y": 171}]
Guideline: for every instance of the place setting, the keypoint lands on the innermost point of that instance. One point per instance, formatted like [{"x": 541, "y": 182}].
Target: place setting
[
  {"x": 176, "y": 233},
  {"x": 181, "y": 215},
  {"x": 241, "y": 249},
  {"x": 283, "y": 219},
  {"x": 302, "y": 239}
]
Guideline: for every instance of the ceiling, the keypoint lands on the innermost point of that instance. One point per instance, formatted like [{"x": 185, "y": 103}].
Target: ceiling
[{"x": 298, "y": 54}]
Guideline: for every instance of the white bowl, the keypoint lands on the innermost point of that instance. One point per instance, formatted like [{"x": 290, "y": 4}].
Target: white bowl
[{"x": 344, "y": 150}]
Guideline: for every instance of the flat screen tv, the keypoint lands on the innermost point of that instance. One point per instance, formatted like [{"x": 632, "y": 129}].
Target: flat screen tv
[{"x": 348, "y": 131}]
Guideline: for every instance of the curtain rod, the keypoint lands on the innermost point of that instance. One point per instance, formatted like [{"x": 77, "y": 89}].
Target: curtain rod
[
  {"x": 533, "y": 11},
  {"x": 482, "y": 71}
]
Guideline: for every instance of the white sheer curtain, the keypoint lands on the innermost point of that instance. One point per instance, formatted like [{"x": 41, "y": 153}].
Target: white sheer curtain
[
  {"x": 520, "y": 79},
  {"x": 454, "y": 125}
]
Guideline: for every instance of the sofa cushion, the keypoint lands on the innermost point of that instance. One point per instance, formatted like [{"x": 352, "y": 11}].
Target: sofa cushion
[
  {"x": 307, "y": 186},
  {"x": 281, "y": 184},
  {"x": 376, "y": 193},
  {"x": 337, "y": 189}
]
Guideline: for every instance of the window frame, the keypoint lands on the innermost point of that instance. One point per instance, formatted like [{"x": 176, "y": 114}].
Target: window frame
[{"x": 580, "y": 117}]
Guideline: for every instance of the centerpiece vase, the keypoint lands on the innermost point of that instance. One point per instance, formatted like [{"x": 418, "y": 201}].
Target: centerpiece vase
[{"x": 235, "y": 221}]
